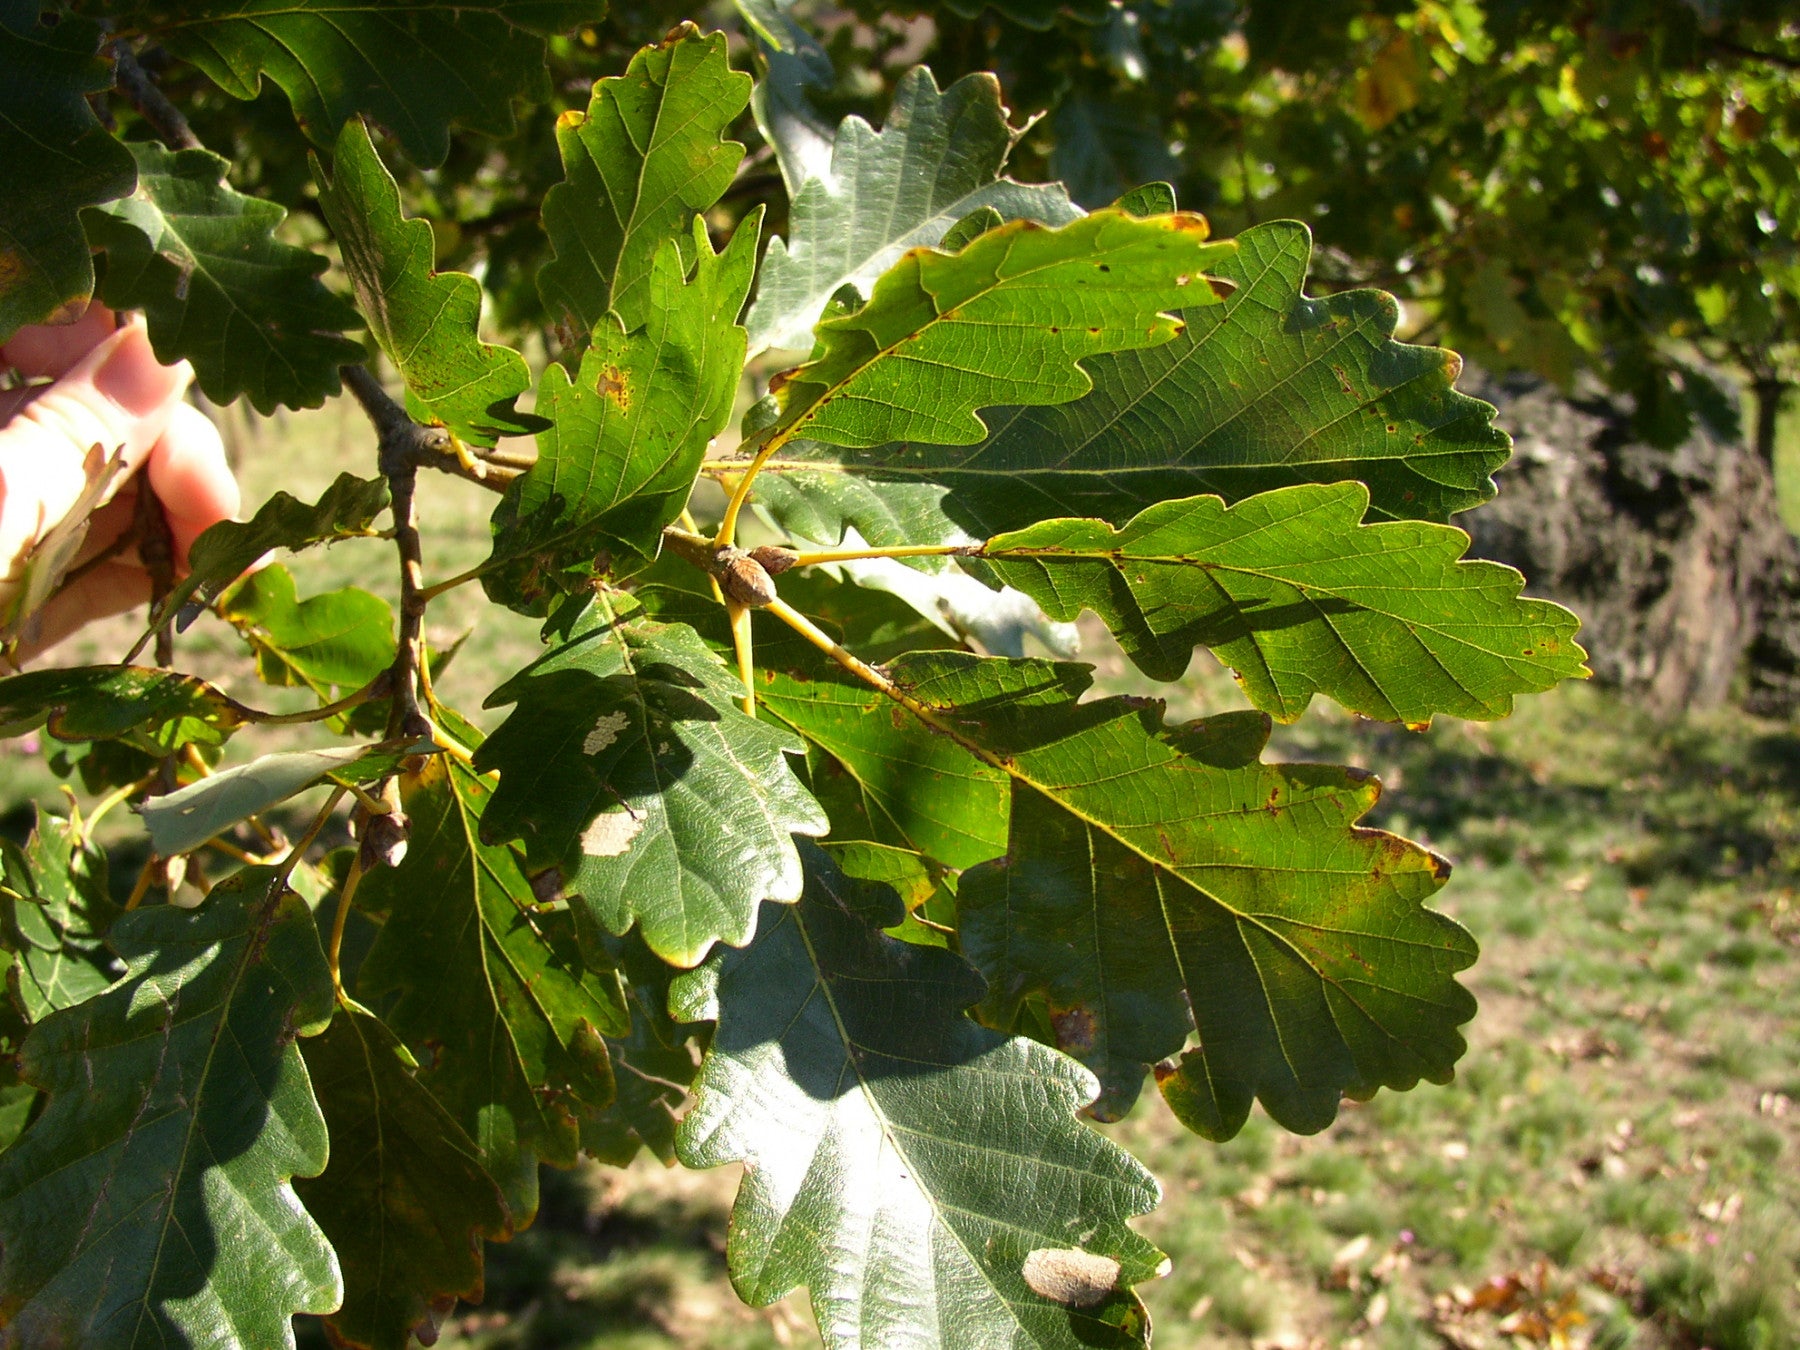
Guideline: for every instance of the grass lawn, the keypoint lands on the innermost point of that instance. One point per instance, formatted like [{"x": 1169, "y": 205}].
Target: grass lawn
[{"x": 1616, "y": 1164}]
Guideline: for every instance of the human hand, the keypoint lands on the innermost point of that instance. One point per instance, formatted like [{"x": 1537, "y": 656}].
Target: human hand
[{"x": 108, "y": 390}]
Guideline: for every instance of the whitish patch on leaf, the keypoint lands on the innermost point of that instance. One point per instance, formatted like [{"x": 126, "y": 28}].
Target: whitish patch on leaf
[
  {"x": 606, "y": 731},
  {"x": 610, "y": 834},
  {"x": 1072, "y": 1277}
]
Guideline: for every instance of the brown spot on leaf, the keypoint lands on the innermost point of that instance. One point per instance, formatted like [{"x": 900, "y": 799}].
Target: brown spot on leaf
[
  {"x": 1074, "y": 1029},
  {"x": 613, "y": 384}
]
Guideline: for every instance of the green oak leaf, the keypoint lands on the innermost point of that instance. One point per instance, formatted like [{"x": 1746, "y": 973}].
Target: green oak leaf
[
  {"x": 222, "y": 554},
  {"x": 333, "y": 644},
  {"x": 425, "y": 320},
  {"x": 58, "y": 159},
  {"x": 630, "y": 429},
  {"x": 404, "y": 1200},
  {"x": 1264, "y": 391},
  {"x": 887, "y": 779},
  {"x": 55, "y": 911},
  {"x": 183, "y": 820},
  {"x": 823, "y": 505},
  {"x": 794, "y": 63},
  {"x": 653, "y": 1064},
  {"x": 939, "y": 157},
  {"x": 219, "y": 289},
  {"x": 647, "y": 156},
  {"x": 415, "y": 66},
  {"x": 151, "y": 1201},
  {"x": 1007, "y": 320},
  {"x": 487, "y": 988},
  {"x": 1299, "y": 597},
  {"x": 628, "y": 763},
  {"x": 1148, "y": 199},
  {"x": 1163, "y": 881},
  {"x": 925, "y": 1177},
  {"x": 880, "y": 777},
  {"x": 154, "y": 710}
]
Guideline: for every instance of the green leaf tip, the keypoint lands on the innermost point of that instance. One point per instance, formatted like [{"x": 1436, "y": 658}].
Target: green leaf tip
[
  {"x": 629, "y": 428},
  {"x": 1293, "y": 591},
  {"x": 649, "y": 153},
  {"x": 425, "y": 320},
  {"x": 862, "y": 198}
]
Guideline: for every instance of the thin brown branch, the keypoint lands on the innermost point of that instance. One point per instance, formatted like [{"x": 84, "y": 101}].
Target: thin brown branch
[
  {"x": 141, "y": 91},
  {"x": 402, "y": 445}
]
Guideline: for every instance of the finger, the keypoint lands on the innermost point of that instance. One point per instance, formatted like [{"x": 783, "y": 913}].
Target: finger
[
  {"x": 49, "y": 351},
  {"x": 191, "y": 478},
  {"x": 118, "y": 397},
  {"x": 110, "y": 588}
]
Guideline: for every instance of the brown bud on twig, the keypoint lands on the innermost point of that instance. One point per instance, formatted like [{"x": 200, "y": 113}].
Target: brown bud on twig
[
  {"x": 774, "y": 559},
  {"x": 743, "y": 579},
  {"x": 384, "y": 841}
]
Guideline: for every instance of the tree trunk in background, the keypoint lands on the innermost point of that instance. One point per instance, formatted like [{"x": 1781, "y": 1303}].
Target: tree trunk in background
[
  {"x": 1677, "y": 561},
  {"x": 1769, "y": 394}
]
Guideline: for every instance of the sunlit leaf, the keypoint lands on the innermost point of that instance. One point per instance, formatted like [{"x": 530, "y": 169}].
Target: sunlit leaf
[
  {"x": 649, "y": 153},
  {"x": 1162, "y": 882},
  {"x": 1266, "y": 390},
  {"x": 939, "y": 157},
  {"x": 914, "y": 1170},
  {"x": 333, "y": 643},
  {"x": 1005, "y": 321},
  {"x": 630, "y": 429},
  {"x": 1293, "y": 592},
  {"x": 628, "y": 763},
  {"x": 186, "y": 818}
]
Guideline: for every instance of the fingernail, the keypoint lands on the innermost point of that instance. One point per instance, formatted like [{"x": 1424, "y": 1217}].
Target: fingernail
[{"x": 131, "y": 377}]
